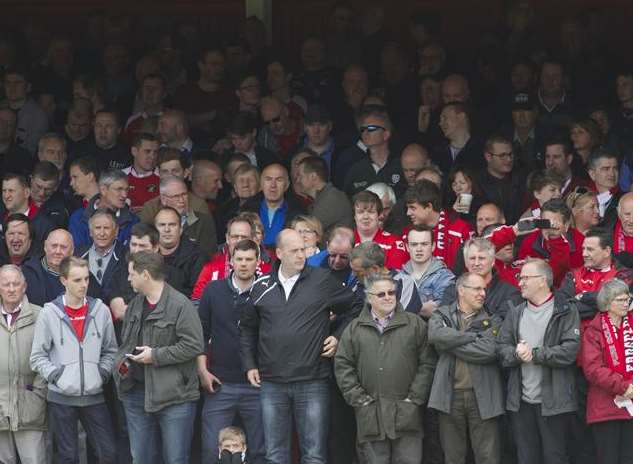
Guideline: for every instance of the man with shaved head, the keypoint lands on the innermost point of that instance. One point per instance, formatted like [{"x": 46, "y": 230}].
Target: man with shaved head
[
  {"x": 623, "y": 230},
  {"x": 455, "y": 88},
  {"x": 42, "y": 272},
  {"x": 274, "y": 206},
  {"x": 206, "y": 181},
  {"x": 281, "y": 131},
  {"x": 287, "y": 357},
  {"x": 414, "y": 158}
]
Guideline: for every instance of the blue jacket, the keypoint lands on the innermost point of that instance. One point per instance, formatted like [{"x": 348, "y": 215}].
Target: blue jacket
[
  {"x": 220, "y": 310},
  {"x": 433, "y": 282},
  {"x": 78, "y": 225}
]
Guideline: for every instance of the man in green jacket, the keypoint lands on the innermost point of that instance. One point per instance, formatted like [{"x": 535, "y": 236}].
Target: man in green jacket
[
  {"x": 467, "y": 388},
  {"x": 22, "y": 391},
  {"x": 384, "y": 368},
  {"x": 155, "y": 368}
]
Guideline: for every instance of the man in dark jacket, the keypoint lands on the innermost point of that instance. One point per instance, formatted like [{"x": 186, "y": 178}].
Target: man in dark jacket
[
  {"x": 479, "y": 257},
  {"x": 384, "y": 368},
  {"x": 285, "y": 348},
  {"x": 42, "y": 272},
  {"x": 227, "y": 390},
  {"x": 155, "y": 367},
  {"x": 178, "y": 250},
  {"x": 19, "y": 244},
  {"x": 467, "y": 388},
  {"x": 537, "y": 344}
]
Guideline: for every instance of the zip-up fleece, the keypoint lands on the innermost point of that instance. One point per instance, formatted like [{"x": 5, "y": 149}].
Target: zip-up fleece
[{"x": 75, "y": 369}]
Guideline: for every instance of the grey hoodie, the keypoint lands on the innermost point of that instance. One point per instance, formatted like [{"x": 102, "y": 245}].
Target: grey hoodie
[{"x": 75, "y": 370}]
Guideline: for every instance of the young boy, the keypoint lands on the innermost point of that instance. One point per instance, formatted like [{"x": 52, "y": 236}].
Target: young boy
[{"x": 232, "y": 446}]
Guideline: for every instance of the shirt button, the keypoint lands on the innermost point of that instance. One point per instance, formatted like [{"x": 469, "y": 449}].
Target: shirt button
[{"x": 380, "y": 368}]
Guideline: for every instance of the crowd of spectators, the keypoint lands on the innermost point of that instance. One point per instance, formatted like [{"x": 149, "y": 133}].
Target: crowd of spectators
[{"x": 385, "y": 253}]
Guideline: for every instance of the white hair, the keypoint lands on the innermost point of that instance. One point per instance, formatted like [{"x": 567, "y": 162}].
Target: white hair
[{"x": 381, "y": 189}]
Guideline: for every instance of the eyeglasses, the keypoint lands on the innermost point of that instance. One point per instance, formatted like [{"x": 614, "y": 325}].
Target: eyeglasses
[
  {"x": 274, "y": 120},
  {"x": 176, "y": 196},
  {"x": 526, "y": 277},
  {"x": 506, "y": 155},
  {"x": 371, "y": 128},
  {"x": 622, "y": 300},
  {"x": 476, "y": 289},
  {"x": 383, "y": 294}
]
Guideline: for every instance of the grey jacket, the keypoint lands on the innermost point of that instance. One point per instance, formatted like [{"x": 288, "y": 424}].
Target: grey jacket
[
  {"x": 22, "y": 391},
  {"x": 75, "y": 370},
  {"x": 557, "y": 356},
  {"x": 331, "y": 206},
  {"x": 174, "y": 333},
  {"x": 476, "y": 347}
]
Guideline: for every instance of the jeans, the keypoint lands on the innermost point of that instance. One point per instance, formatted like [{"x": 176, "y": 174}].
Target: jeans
[
  {"x": 97, "y": 423},
  {"x": 308, "y": 402},
  {"x": 540, "y": 439},
  {"x": 219, "y": 411},
  {"x": 169, "y": 430}
]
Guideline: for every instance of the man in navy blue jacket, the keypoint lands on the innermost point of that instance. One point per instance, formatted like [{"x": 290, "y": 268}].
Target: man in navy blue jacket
[{"x": 227, "y": 390}]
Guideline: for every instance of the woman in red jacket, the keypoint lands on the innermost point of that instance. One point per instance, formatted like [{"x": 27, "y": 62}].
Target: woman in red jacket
[{"x": 607, "y": 353}]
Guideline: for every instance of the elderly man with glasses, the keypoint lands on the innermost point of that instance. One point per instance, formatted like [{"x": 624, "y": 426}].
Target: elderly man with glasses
[{"x": 537, "y": 345}]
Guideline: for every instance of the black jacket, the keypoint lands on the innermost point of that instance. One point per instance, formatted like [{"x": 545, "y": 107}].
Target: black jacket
[
  {"x": 188, "y": 259},
  {"x": 500, "y": 297},
  {"x": 362, "y": 174},
  {"x": 284, "y": 338},
  {"x": 56, "y": 210},
  {"x": 471, "y": 156},
  {"x": 115, "y": 267}
]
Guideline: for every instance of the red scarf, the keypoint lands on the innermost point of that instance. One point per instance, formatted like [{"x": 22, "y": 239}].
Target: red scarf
[
  {"x": 440, "y": 231},
  {"x": 620, "y": 241},
  {"x": 618, "y": 343}
]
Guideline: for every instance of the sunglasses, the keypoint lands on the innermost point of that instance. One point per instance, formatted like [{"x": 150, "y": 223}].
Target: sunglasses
[
  {"x": 371, "y": 128},
  {"x": 383, "y": 294},
  {"x": 274, "y": 120}
]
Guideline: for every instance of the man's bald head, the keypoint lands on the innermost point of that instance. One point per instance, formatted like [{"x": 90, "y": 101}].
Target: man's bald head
[
  {"x": 455, "y": 88},
  {"x": 414, "y": 158},
  {"x": 487, "y": 214},
  {"x": 206, "y": 179},
  {"x": 57, "y": 246},
  {"x": 625, "y": 213}
]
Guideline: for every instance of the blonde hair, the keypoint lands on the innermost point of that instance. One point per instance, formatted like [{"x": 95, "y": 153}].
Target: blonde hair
[{"x": 231, "y": 433}]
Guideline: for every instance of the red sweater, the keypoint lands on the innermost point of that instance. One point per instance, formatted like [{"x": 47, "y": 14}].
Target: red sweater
[{"x": 396, "y": 254}]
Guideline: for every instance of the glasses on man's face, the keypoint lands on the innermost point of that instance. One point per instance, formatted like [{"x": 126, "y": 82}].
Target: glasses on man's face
[
  {"x": 622, "y": 300},
  {"x": 528, "y": 277},
  {"x": 176, "y": 196},
  {"x": 503, "y": 155},
  {"x": 382, "y": 295},
  {"x": 475, "y": 289},
  {"x": 370, "y": 128}
]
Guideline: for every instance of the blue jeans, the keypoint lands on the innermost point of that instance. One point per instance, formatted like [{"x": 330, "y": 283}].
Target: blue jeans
[
  {"x": 309, "y": 403},
  {"x": 219, "y": 411},
  {"x": 96, "y": 421},
  {"x": 169, "y": 430}
]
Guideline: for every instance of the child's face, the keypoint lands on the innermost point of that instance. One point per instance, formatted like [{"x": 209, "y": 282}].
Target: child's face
[{"x": 233, "y": 445}]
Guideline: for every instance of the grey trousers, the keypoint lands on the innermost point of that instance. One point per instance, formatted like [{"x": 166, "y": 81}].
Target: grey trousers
[
  {"x": 28, "y": 445},
  {"x": 463, "y": 421},
  {"x": 404, "y": 450}
]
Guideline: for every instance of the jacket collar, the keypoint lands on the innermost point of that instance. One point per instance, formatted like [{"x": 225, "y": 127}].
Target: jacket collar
[{"x": 399, "y": 318}]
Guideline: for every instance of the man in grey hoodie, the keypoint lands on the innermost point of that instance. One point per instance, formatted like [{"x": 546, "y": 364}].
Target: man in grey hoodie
[
  {"x": 73, "y": 349},
  {"x": 430, "y": 274}
]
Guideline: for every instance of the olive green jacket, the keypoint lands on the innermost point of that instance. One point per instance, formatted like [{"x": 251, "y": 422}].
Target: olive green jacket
[{"x": 385, "y": 377}]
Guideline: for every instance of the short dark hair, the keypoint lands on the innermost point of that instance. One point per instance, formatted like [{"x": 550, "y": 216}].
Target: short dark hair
[
  {"x": 111, "y": 111},
  {"x": 369, "y": 253},
  {"x": 240, "y": 218},
  {"x": 365, "y": 197},
  {"x": 87, "y": 165},
  {"x": 537, "y": 180},
  {"x": 459, "y": 107},
  {"x": 140, "y": 230},
  {"x": 421, "y": 228},
  {"x": 19, "y": 177},
  {"x": 496, "y": 138},
  {"x": 166, "y": 154},
  {"x": 557, "y": 205},
  {"x": 247, "y": 245},
  {"x": 46, "y": 171},
  {"x": 148, "y": 261},
  {"x": 561, "y": 140},
  {"x": 19, "y": 217},
  {"x": 71, "y": 261},
  {"x": 243, "y": 123},
  {"x": 317, "y": 165},
  {"x": 143, "y": 137},
  {"x": 605, "y": 238},
  {"x": 424, "y": 192}
]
